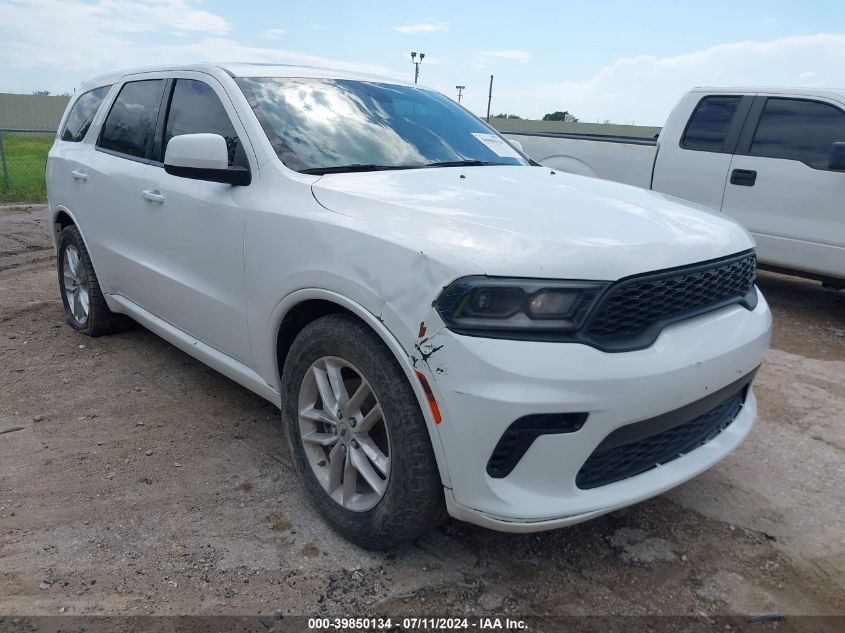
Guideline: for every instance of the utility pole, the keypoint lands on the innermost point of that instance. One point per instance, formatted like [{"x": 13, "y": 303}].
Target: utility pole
[
  {"x": 417, "y": 64},
  {"x": 460, "y": 92},
  {"x": 489, "y": 98}
]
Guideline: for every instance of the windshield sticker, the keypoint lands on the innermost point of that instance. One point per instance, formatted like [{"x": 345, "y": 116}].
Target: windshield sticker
[{"x": 497, "y": 145}]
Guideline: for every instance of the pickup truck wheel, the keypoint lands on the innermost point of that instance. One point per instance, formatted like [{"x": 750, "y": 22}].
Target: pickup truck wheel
[
  {"x": 85, "y": 306},
  {"x": 358, "y": 438}
]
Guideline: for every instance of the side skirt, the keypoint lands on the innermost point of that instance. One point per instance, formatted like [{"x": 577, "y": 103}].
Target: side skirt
[{"x": 217, "y": 360}]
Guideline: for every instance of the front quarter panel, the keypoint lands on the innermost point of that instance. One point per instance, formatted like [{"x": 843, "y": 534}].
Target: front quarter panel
[
  {"x": 293, "y": 243},
  {"x": 296, "y": 250}
]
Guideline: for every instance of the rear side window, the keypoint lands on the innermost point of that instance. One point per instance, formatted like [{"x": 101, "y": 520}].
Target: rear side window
[
  {"x": 130, "y": 125},
  {"x": 82, "y": 114},
  {"x": 196, "y": 109},
  {"x": 708, "y": 127},
  {"x": 799, "y": 130}
]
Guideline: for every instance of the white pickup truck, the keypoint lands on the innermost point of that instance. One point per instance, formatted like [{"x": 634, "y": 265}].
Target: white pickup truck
[{"x": 771, "y": 158}]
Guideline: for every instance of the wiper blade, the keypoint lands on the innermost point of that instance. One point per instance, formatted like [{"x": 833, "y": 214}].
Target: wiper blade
[
  {"x": 462, "y": 163},
  {"x": 342, "y": 169}
]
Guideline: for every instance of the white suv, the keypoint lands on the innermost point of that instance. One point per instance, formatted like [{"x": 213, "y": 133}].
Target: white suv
[{"x": 445, "y": 326}]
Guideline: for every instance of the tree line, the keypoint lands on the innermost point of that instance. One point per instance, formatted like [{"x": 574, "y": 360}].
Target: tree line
[{"x": 558, "y": 115}]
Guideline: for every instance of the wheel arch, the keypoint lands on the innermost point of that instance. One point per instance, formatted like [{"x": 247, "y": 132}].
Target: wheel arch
[
  {"x": 569, "y": 164},
  {"x": 60, "y": 220},
  {"x": 302, "y": 307}
]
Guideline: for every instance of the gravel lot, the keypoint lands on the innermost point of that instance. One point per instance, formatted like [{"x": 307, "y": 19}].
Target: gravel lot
[{"x": 144, "y": 483}]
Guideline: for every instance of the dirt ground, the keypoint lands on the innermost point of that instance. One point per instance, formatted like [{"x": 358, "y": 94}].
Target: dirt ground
[{"x": 142, "y": 482}]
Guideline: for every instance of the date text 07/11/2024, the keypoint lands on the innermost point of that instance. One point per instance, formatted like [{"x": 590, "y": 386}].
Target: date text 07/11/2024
[{"x": 416, "y": 623}]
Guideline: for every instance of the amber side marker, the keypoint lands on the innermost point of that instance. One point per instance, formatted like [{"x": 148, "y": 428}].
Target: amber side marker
[{"x": 435, "y": 410}]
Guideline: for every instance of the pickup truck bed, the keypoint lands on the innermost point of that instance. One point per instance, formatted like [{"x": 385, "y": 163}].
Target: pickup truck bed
[{"x": 620, "y": 158}]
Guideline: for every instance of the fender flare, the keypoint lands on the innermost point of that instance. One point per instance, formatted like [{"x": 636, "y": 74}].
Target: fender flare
[
  {"x": 387, "y": 337},
  {"x": 569, "y": 164},
  {"x": 54, "y": 213}
]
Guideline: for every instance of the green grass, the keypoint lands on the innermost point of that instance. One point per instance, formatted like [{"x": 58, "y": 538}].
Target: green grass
[{"x": 26, "y": 156}]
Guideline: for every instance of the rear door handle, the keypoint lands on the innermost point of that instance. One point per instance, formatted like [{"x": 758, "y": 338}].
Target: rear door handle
[
  {"x": 153, "y": 196},
  {"x": 743, "y": 177},
  {"x": 79, "y": 175}
]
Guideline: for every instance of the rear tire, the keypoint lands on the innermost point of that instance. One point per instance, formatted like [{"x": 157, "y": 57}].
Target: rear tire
[
  {"x": 85, "y": 307},
  {"x": 397, "y": 494}
]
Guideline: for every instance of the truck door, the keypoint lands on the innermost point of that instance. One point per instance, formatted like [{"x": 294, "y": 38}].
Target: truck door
[
  {"x": 694, "y": 163},
  {"x": 783, "y": 189}
]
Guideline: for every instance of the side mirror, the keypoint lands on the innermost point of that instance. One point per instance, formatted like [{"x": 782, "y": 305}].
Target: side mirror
[
  {"x": 837, "y": 157},
  {"x": 517, "y": 145},
  {"x": 203, "y": 157}
]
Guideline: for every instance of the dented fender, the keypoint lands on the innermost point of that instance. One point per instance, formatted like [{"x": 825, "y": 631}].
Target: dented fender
[{"x": 408, "y": 361}]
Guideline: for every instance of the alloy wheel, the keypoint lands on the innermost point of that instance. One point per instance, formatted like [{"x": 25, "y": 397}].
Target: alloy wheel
[
  {"x": 344, "y": 433},
  {"x": 76, "y": 286}
]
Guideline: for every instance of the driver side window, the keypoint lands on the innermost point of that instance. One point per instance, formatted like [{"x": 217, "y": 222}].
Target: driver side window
[
  {"x": 799, "y": 129},
  {"x": 196, "y": 109}
]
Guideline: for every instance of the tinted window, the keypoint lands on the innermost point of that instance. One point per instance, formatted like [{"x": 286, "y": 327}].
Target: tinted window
[
  {"x": 316, "y": 124},
  {"x": 82, "y": 114},
  {"x": 709, "y": 124},
  {"x": 799, "y": 130},
  {"x": 196, "y": 109},
  {"x": 130, "y": 125}
]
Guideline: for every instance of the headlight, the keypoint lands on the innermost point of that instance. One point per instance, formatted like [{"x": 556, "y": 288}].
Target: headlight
[{"x": 495, "y": 304}]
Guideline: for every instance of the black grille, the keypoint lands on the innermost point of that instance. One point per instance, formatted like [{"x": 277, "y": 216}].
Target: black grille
[
  {"x": 612, "y": 462},
  {"x": 634, "y": 310}
]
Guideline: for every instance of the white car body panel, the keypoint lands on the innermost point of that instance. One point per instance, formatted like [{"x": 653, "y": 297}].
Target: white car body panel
[
  {"x": 691, "y": 175},
  {"x": 589, "y": 228},
  {"x": 486, "y": 384},
  {"x": 214, "y": 269},
  {"x": 793, "y": 211}
]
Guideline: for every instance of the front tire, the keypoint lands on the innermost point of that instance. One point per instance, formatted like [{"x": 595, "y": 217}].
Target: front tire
[
  {"x": 358, "y": 439},
  {"x": 85, "y": 306}
]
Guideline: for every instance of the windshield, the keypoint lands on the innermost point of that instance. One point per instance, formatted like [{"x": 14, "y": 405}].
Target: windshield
[{"x": 331, "y": 125}]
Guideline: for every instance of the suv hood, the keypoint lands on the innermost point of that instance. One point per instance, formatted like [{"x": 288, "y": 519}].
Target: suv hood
[{"x": 532, "y": 221}]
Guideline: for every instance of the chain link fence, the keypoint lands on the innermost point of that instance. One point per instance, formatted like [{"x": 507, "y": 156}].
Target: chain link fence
[{"x": 23, "y": 161}]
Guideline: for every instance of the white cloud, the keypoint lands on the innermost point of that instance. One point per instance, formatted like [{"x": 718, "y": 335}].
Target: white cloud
[
  {"x": 122, "y": 16},
  {"x": 645, "y": 87},
  {"x": 79, "y": 39},
  {"x": 522, "y": 57},
  {"x": 227, "y": 49},
  {"x": 81, "y": 35},
  {"x": 272, "y": 34},
  {"x": 423, "y": 27}
]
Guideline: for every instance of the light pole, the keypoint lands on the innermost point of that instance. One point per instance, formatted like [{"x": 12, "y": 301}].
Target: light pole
[
  {"x": 416, "y": 64},
  {"x": 489, "y": 98},
  {"x": 460, "y": 92}
]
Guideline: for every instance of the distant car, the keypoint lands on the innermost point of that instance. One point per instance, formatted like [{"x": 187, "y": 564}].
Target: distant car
[
  {"x": 445, "y": 327},
  {"x": 771, "y": 158}
]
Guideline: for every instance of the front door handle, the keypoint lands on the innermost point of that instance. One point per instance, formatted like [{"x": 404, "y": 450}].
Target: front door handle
[
  {"x": 153, "y": 196},
  {"x": 81, "y": 176},
  {"x": 743, "y": 177}
]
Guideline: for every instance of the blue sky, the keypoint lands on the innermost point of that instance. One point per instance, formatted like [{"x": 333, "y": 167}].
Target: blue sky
[{"x": 620, "y": 61}]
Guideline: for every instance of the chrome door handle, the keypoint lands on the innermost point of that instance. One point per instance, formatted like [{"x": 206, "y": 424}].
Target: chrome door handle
[
  {"x": 153, "y": 196},
  {"x": 79, "y": 175}
]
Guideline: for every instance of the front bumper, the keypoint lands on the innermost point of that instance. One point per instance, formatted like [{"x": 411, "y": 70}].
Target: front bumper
[{"x": 483, "y": 385}]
